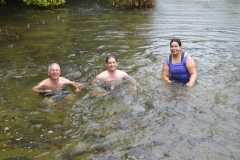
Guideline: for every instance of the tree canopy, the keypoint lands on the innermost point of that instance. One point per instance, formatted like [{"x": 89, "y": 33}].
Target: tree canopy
[
  {"x": 44, "y": 3},
  {"x": 41, "y": 3}
]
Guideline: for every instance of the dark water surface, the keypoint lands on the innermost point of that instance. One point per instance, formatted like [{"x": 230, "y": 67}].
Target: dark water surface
[{"x": 159, "y": 121}]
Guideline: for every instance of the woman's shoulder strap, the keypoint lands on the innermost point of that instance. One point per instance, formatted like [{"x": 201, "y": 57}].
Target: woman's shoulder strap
[
  {"x": 185, "y": 57},
  {"x": 182, "y": 56},
  {"x": 170, "y": 58}
]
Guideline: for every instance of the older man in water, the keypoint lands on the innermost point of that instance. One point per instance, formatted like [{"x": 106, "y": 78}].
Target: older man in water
[
  {"x": 111, "y": 79},
  {"x": 52, "y": 87}
]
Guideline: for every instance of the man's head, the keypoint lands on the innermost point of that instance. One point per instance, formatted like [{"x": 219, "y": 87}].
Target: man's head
[
  {"x": 111, "y": 56},
  {"x": 111, "y": 62},
  {"x": 54, "y": 71},
  {"x": 52, "y": 64}
]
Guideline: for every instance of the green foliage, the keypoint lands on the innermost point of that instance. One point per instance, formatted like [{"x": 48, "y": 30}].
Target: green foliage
[
  {"x": 41, "y": 3},
  {"x": 115, "y": 3},
  {"x": 44, "y": 3},
  {"x": 2, "y": 1}
]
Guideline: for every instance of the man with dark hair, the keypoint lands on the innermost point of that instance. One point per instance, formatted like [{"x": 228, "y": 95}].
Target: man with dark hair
[
  {"x": 112, "y": 73},
  {"x": 112, "y": 78}
]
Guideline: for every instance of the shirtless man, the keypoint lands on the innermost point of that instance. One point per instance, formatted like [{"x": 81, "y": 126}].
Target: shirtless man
[
  {"x": 112, "y": 77},
  {"x": 55, "y": 83}
]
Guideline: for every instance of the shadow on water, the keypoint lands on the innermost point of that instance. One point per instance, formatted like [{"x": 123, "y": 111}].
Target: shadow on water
[{"x": 158, "y": 121}]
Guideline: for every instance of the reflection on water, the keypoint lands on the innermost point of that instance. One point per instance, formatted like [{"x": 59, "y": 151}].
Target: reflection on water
[{"x": 158, "y": 120}]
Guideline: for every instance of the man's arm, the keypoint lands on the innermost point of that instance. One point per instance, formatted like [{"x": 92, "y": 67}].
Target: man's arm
[
  {"x": 94, "y": 82},
  {"x": 130, "y": 83},
  {"x": 40, "y": 88},
  {"x": 77, "y": 85},
  {"x": 96, "y": 86}
]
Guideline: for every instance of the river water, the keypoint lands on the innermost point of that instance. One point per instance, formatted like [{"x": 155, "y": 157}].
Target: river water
[{"x": 158, "y": 121}]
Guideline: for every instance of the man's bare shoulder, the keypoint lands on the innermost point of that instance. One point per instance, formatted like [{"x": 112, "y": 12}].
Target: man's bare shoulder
[
  {"x": 102, "y": 75},
  {"x": 119, "y": 72},
  {"x": 45, "y": 82},
  {"x": 64, "y": 80}
]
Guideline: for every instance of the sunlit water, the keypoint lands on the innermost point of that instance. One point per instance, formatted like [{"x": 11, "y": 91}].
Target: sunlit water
[{"x": 158, "y": 121}]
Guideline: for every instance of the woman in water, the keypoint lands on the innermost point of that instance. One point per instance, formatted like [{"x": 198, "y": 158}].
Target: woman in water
[{"x": 179, "y": 66}]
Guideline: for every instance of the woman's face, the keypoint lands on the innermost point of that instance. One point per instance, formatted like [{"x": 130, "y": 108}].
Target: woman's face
[{"x": 175, "y": 48}]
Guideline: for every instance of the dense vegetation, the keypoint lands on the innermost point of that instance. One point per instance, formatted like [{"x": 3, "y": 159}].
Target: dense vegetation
[
  {"x": 115, "y": 3},
  {"x": 41, "y": 3},
  {"x": 44, "y": 3}
]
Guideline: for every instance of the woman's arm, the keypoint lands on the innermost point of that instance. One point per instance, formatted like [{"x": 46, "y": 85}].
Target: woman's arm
[
  {"x": 165, "y": 72},
  {"x": 192, "y": 70}
]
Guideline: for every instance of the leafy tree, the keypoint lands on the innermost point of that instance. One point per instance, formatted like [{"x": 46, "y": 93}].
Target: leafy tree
[
  {"x": 44, "y": 3},
  {"x": 41, "y": 3},
  {"x": 115, "y": 3},
  {"x": 2, "y": 1}
]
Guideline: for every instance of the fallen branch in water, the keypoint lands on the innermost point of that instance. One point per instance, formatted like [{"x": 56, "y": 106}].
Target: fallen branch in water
[{"x": 133, "y": 3}]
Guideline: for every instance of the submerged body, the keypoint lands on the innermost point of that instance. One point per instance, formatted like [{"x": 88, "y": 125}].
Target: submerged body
[{"x": 55, "y": 95}]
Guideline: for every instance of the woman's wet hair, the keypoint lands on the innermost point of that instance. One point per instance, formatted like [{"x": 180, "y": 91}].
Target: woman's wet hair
[
  {"x": 111, "y": 56},
  {"x": 52, "y": 64},
  {"x": 176, "y": 40}
]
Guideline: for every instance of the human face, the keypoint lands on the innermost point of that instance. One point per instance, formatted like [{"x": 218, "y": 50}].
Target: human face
[
  {"x": 112, "y": 64},
  {"x": 175, "y": 48},
  {"x": 54, "y": 72}
]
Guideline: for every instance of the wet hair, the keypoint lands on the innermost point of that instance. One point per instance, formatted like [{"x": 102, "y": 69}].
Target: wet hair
[
  {"x": 52, "y": 64},
  {"x": 111, "y": 56},
  {"x": 176, "y": 40}
]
